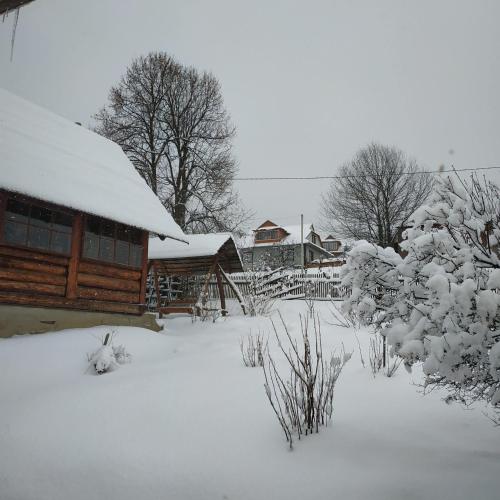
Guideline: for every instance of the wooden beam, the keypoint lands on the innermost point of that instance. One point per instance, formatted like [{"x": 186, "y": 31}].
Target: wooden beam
[
  {"x": 220, "y": 286},
  {"x": 3, "y": 206},
  {"x": 74, "y": 260},
  {"x": 157, "y": 290},
  {"x": 110, "y": 270},
  {"x": 235, "y": 290},
  {"x": 144, "y": 276},
  {"x": 97, "y": 281},
  {"x": 52, "y": 301},
  {"x": 37, "y": 255}
]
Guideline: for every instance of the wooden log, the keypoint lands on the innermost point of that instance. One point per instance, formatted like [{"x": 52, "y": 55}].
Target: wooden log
[
  {"x": 144, "y": 277},
  {"x": 97, "y": 281},
  {"x": 31, "y": 276},
  {"x": 157, "y": 290},
  {"x": 109, "y": 270},
  {"x": 3, "y": 204},
  {"x": 34, "y": 255},
  {"x": 220, "y": 287},
  {"x": 34, "y": 288},
  {"x": 107, "y": 295},
  {"x": 64, "y": 303},
  {"x": 74, "y": 261},
  {"x": 176, "y": 309},
  {"x": 32, "y": 265}
]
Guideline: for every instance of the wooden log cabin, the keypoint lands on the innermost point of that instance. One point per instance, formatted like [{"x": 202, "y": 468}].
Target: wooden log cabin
[
  {"x": 75, "y": 218},
  {"x": 208, "y": 255}
]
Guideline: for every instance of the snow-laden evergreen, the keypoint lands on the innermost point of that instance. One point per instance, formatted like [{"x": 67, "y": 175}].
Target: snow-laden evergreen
[{"x": 440, "y": 303}]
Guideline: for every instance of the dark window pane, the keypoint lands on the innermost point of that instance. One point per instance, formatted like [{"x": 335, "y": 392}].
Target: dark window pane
[
  {"x": 61, "y": 242},
  {"x": 107, "y": 228},
  {"x": 62, "y": 222},
  {"x": 40, "y": 217},
  {"x": 15, "y": 233},
  {"x": 39, "y": 237},
  {"x": 135, "y": 255},
  {"x": 122, "y": 232},
  {"x": 92, "y": 225},
  {"x": 91, "y": 246},
  {"x": 106, "y": 249},
  {"x": 122, "y": 252},
  {"x": 135, "y": 236},
  {"x": 17, "y": 210}
]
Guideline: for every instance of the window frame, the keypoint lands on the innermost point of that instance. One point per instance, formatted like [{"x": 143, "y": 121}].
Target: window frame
[
  {"x": 4, "y": 200},
  {"x": 113, "y": 262},
  {"x": 270, "y": 231}
]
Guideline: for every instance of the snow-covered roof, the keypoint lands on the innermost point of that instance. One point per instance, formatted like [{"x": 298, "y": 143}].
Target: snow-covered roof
[
  {"x": 294, "y": 232},
  {"x": 52, "y": 159},
  {"x": 200, "y": 245}
]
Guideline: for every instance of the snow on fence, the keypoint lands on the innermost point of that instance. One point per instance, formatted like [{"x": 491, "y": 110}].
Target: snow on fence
[
  {"x": 285, "y": 285},
  {"x": 280, "y": 284}
]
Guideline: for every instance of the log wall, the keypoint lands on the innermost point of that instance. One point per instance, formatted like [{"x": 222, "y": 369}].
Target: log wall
[{"x": 43, "y": 279}]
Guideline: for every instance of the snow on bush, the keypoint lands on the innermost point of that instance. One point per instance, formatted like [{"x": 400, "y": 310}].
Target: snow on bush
[
  {"x": 108, "y": 356},
  {"x": 303, "y": 400},
  {"x": 440, "y": 303},
  {"x": 252, "y": 349}
]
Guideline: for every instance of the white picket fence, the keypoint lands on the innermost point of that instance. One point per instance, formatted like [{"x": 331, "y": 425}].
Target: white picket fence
[
  {"x": 281, "y": 283},
  {"x": 284, "y": 284}
]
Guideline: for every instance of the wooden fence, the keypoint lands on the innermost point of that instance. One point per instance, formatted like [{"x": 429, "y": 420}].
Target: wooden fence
[{"x": 280, "y": 284}]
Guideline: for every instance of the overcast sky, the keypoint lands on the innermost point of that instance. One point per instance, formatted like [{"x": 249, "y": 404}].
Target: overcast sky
[{"x": 306, "y": 83}]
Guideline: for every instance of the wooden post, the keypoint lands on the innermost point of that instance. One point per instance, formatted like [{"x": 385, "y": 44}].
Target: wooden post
[
  {"x": 232, "y": 286},
  {"x": 144, "y": 274},
  {"x": 74, "y": 261},
  {"x": 157, "y": 290},
  {"x": 220, "y": 286},
  {"x": 3, "y": 206}
]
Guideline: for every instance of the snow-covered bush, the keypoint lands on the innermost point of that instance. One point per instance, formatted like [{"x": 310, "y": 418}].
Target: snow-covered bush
[
  {"x": 302, "y": 400},
  {"x": 206, "y": 309},
  {"x": 252, "y": 349},
  {"x": 440, "y": 303},
  {"x": 259, "y": 300},
  {"x": 108, "y": 356}
]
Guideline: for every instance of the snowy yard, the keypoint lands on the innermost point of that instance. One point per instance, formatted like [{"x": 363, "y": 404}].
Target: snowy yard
[{"x": 186, "y": 420}]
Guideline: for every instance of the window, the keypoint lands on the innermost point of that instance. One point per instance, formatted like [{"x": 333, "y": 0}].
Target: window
[
  {"x": 34, "y": 226},
  {"x": 110, "y": 241},
  {"x": 269, "y": 234},
  {"x": 311, "y": 255},
  {"x": 332, "y": 246}
]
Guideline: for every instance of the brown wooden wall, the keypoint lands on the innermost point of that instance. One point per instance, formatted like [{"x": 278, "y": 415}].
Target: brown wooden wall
[{"x": 43, "y": 279}]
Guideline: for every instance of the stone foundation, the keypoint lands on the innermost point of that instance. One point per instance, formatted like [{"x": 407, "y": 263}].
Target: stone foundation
[{"x": 16, "y": 320}]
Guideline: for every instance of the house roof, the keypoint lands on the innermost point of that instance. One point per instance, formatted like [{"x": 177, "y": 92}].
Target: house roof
[
  {"x": 8, "y": 5},
  {"x": 175, "y": 257},
  {"x": 200, "y": 245},
  {"x": 52, "y": 159}
]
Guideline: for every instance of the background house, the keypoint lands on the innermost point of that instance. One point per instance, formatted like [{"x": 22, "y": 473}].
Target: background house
[
  {"x": 271, "y": 246},
  {"x": 75, "y": 218}
]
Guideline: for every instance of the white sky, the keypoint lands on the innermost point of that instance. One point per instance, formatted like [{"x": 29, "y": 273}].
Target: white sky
[{"x": 306, "y": 83}]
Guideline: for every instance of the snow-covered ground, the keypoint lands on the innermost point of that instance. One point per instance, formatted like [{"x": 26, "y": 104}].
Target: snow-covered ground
[{"x": 186, "y": 420}]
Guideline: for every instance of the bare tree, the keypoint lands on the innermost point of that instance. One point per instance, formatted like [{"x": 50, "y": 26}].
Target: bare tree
[
  {"x": 375, "y": 194},
  {"x": 171, "y": 122}
]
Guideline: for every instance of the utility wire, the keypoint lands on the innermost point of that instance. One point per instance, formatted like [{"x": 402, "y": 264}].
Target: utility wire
[{"x": 322, "y": 177}]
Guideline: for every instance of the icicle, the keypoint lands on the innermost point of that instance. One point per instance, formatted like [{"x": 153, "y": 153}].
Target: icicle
[{"x": 16, "y": 19}]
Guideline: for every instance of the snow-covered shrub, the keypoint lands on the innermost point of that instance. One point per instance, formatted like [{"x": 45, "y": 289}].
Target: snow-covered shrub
[
  {"x": 259, "y": 300},
  {"x": 379, "y": 360},
  {"x": 440, "y": 303},
  {"x": 206, "y": 309},
  {"x": 340, "y": 318},
  {"x": 252, "y": 349},
  {"x": 302, "y": 400},
  {"x": 108, "y": 356}
]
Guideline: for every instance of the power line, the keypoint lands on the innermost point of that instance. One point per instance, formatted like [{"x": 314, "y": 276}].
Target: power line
[{"x": 323, "y": 177}]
